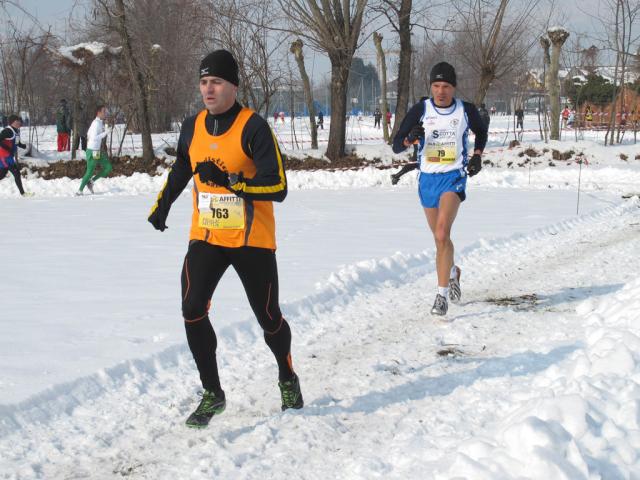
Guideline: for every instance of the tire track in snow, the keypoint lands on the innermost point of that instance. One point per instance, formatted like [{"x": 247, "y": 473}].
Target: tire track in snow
[{"x": 368, "y": 369}]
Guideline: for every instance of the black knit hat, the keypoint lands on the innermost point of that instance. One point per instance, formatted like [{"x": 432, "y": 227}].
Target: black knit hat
[
  {"x": 443, "y": 72},
  {"x": 220, "y": 63}
]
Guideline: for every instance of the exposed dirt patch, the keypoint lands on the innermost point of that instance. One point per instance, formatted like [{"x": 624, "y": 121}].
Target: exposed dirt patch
[
  {"x": 522, "y": 302},
  {"x": 558, "y": 155},
  {"x": 124, "y": 165},
  {"x": 350, "y": 162},
  {"x": 127, "y": 165}
]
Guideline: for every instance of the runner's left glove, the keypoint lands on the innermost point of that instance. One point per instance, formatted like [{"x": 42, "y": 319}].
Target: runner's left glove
[
  {"x": 474, "y": 165},
  {"x": 158, "y": 219},
  {"x": 416, "y": 133},
  {"x": 210, "y": 173}
]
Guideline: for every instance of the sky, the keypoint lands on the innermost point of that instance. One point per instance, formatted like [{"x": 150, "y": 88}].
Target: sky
[
  {"x": 574, "y": 14},
  {"x": 55, "y": 13}
]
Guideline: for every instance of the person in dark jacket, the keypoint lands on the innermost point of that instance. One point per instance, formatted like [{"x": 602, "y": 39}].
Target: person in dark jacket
[
  {"x": 63, "y": 126},
  {"x": 82, "y": 125},
  {"x": 232, "y": 157},
  {"x": 9, "y": 143}
]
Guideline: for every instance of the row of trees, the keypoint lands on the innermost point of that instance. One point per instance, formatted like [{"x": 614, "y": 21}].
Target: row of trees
[{"x": 146, "y": 70}]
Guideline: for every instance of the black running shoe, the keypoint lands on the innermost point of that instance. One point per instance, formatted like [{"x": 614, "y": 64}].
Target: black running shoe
[
  {"x": 455, "y": 294},
  {"x": 440, "y": 306},
  {"x": 210, "y": 405},
  {"x": 291, "y": 394}
]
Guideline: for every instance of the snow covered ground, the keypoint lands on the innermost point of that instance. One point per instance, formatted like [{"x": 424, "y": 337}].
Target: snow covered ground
[{"x": 535, "y": 376}]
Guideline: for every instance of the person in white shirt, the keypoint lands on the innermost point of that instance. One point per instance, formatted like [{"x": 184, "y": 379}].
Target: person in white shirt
[
  {"x": 440, "y": 126},
  {"x": 96, "y": 133}
]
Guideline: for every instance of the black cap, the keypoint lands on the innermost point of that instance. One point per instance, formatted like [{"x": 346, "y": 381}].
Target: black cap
[
  {"x": 220, "y": 63},
  {"x": 443, "y": 72}
]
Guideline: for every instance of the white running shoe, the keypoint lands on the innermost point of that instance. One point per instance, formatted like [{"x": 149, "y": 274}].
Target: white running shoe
[
  {"x": 440, "y": 306},
  {"x": 454, "y": 287}
]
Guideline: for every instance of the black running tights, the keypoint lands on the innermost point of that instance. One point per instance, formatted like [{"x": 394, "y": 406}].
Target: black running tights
[
  {"x": 15, "y": 171},
  {"x": 203, "y": 268}
]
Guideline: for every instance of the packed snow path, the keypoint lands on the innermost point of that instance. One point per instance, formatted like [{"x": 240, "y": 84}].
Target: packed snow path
[{"x": 542, "y": 383}]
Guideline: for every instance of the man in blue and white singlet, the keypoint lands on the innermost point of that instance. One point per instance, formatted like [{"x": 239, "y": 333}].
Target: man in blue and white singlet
[{"x": 440, "y": 126}]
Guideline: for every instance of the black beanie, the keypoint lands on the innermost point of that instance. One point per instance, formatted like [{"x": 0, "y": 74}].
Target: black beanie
[
  {"x": 220, "y": 63},
  {"x": 443, "y": 72}
]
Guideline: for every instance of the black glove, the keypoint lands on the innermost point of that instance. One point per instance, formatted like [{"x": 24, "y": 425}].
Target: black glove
[
  {"x": 416, "y": 133},
  {"x": 474, "y": 165},
  {"x": 211, "y": 173},
  {"x": 158, "y": 219}
]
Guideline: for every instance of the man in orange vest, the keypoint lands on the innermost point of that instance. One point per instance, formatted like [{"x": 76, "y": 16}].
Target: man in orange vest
[{"x": 237, "y": 170}]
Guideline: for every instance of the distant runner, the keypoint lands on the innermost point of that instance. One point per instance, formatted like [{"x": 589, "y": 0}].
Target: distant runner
[
  {"x": 9, "y": 143},
  {"x": 440, "y": 126},
  {"x": 94, "y": 154}
]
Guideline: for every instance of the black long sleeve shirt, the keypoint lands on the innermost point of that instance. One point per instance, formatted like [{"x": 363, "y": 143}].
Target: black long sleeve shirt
[
  {"x": 258, "y": 143},
  {"x": 416, "y": 112},
  {"x": 10, "y": 133}
]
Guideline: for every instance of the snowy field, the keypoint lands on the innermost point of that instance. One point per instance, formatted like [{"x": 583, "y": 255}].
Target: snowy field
[{"x": 535, "y": 376}]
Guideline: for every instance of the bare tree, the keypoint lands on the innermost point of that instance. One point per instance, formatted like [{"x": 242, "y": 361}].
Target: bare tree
[
  {"x": 590, "y": 58},
  {"x": 296, "y": 49},
  {"x": 116, "y": 13},
  {"x": 618, "y": 19},
  {"x": 377, "y": 40},
  {"x": 20, "y": 52},
  {"x": 557, "y": 36},
  {"x": 398, "y": 14},
  {"x": 626, "y": 12},
  {"x": 493, "y": 40},
  {"x": 542, "y": 109},
  {"x": 332, "y": 27},
  {"x": 245, "y": 28},
  {"x": 78, "y": 61}
]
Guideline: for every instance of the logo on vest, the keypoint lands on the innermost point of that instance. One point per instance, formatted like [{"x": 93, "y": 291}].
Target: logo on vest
[
  {"x": 454, "y": 122},
  {"x": 218, "y": 161},
  {"x": 213, "y": 146}
]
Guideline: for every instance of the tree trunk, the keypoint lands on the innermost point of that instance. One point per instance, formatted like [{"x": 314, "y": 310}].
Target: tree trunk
[
  {"x": 488, "y": 53},
  {"x": 377, "y": 40},
  {"x": 296, "y": 49},
  {"x": 558, "y": 37},
  {"x": 339, "y": 81},
  {"x": 546, "y": 44},
  {"x": 75, "y": 113},
  {"x": 486, "y": 77},
  {"x": 404, "y": 67},
  {"x": 612, "y": 119},
  {"x": 137, "y": 79}
]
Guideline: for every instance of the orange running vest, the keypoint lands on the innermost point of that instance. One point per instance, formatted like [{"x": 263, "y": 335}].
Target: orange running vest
[{"x": 226, "y": 151}]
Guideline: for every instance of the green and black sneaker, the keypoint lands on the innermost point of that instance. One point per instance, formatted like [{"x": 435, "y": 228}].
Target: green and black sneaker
[
  {"x": 291, "y": 394},
  {"x": 209, "y": 406}
]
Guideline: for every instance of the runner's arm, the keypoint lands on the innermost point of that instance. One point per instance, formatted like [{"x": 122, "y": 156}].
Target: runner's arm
[
  {"x": 270, "y": 181},
  {"x": 477, "y": 126},
  {"x": 412, "y": 117},
  {"x": 180, "y": 173}
]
